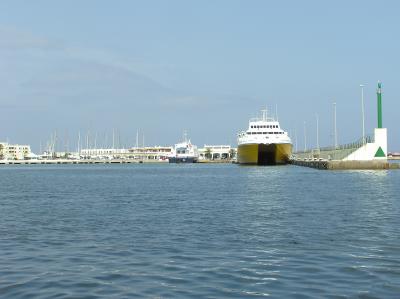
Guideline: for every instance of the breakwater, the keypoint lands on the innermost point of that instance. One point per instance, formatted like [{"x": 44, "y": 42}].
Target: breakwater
[{"x": 345, "y": 165}]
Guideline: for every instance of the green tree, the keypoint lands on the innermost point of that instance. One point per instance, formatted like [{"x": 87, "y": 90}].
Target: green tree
[
  {"x": 207, "y": 153},
  {"x": 232, "y": 153}
]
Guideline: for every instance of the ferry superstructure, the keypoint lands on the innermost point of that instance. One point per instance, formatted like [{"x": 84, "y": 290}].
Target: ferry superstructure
[{"x": 264, "y": 142}]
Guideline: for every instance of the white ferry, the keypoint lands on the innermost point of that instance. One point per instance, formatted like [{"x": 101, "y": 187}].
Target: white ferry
[
  {"x": 264, "y": 143},
  {"x": 184, "y": 152}
]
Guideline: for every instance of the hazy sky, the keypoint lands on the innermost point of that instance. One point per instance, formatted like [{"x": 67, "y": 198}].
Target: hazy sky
[{"x": 162, "y": 67}]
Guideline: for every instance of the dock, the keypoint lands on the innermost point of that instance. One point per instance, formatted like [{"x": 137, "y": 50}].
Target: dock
[
  {"x": 101, "y": 161},
  {"x": 70, "y": 161}
]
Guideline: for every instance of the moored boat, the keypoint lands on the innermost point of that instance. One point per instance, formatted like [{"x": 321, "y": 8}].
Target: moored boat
[
  {"x": 264, "y": 143},
  {"x": 184, "y": 152}
]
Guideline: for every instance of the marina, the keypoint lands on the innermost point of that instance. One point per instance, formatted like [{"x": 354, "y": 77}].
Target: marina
[{"x": 263, "y": 143}]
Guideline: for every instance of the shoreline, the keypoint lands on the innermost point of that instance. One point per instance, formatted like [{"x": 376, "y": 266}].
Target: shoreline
[{"x": 98, "y": 161}]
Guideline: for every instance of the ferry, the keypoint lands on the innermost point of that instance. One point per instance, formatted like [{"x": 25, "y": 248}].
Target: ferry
[
  {"x": 184, "y": 152},
  {"x": 264, "y": 142}
]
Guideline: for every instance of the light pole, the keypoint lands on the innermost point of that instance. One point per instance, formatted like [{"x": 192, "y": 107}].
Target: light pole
[
  {"x": 334, "y": 123},
  {"x": 305, "y": 137},
  {"x": 317, "y": 118},
  {"x": 362, "y": 113}
]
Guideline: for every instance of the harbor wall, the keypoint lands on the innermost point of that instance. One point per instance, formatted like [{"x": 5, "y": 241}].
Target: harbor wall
[
  {"x": 376, "y": 150},
  {"x": 347, "y": 165}
]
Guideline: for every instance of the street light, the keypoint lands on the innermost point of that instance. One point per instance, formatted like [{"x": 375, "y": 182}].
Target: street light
[
  {"x": 362, "y": 113},
  {"x": 305, "y": 137},
  {"x": 317, "y": 118},
  {"x": 334, "y": 123}
]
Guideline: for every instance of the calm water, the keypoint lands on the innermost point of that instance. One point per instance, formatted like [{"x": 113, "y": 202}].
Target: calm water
[{"x": 199, "y": 231}]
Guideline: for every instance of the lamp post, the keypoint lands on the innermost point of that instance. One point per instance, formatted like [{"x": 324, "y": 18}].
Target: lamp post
[
  {"x": 305, "y": 137},
  {"x": 334, "y": 124},
  {"x": 362, "y": 113},
  {"x": 317, "y": 118}
]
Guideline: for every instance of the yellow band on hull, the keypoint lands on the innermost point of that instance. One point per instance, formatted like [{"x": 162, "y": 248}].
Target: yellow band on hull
[{"x": 264, "y": 154}]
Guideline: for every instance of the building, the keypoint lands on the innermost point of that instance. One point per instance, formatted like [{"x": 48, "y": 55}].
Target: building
[
  {"x": 14, "y": 151},
  {"x": 155, "y": 153},
  {"x": 99, "y": 153},
  {"x": 217, "y": 152}
]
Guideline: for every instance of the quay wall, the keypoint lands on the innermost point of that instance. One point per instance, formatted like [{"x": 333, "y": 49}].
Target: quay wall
[{"x": 98, "y": 161}]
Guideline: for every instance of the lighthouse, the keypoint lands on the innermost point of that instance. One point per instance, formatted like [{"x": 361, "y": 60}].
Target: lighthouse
[
  {"x": 376, "y": 150},
  {"x": 379, "y": 96},
  {"x": 380, "y": 132}
]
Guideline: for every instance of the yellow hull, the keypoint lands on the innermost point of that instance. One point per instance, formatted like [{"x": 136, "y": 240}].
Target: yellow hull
[{"x": 264, "y": 154}]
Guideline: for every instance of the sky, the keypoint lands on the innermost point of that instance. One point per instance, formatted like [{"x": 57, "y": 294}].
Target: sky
[{"x": 164, "y": 67}]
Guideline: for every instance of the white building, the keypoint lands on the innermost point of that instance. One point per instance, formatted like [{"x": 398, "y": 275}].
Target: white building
[
  {"x": 14, "y": 151},
  {"x": 156, "y": 153},
  {"x": 217, "y": 152},
  {"x": 103, "y": 153}
]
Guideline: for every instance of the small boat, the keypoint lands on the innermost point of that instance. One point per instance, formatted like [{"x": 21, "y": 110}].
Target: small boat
[{"x": 184, "y": 152}]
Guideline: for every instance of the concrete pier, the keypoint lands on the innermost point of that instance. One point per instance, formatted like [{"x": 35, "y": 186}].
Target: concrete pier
[
  {"x": 82, "y": 161},
  {"x": 346, "y": 165},
  {"x": 98, "y": 161}
]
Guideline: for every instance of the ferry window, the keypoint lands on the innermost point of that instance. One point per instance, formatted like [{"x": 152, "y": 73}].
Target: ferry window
[{"x": 259, "y": 132}]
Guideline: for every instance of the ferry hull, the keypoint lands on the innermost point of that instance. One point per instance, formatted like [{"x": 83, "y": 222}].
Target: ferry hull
[
  {"x": 264, "y": 154},
  {"x": 182, "y": 160}
]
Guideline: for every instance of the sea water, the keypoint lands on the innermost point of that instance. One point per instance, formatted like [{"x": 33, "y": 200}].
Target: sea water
[{"x": 198, "y": 231}]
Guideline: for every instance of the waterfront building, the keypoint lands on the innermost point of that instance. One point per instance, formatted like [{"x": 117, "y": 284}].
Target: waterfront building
[
  {"x": 98, "y": 153},
  {"x": 156, "y": 153},
  {"x": 14, "y": 151},
  {"x": 217, "y": 152}
]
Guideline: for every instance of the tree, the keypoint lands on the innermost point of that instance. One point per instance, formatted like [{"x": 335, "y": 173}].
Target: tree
[
  {"x": 207, "y": 153},
  {"x": 232, "y": 153}
]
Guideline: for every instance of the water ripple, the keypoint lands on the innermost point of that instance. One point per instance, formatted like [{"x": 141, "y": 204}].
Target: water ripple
[{"x": 198, "y": 231}]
